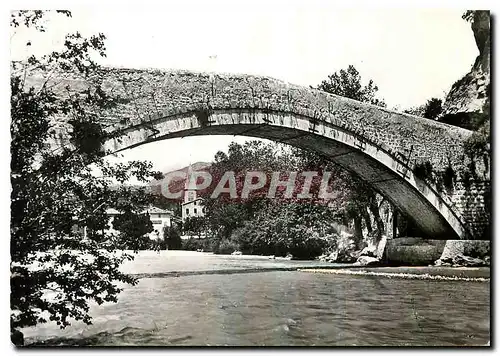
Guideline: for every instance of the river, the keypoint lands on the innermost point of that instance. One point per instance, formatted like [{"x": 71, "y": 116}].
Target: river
[{"x": 199, "y": 299}]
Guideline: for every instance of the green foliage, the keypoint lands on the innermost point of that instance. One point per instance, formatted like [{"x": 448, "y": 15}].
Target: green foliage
[
  {"x": 59, "y": 189},
  {"x": 424, "y": 171},
  {"x": 259, "y": 225},
  {"x": 225, "y": 247},
  {"x": 468, "y": 15},
  {"x": 433, "y": 108},
  {"x": 304, "y": 230},
  {"x": 193, "y": 244},
  {"x": 31, "y": 18},
  {"x": 172, "y": 237},
  {"x": 478, "y": 144},
  {"x": 449, "y": 177},
  {"x": 224, "y": 216},
  {"x": 134, "y": 229},
  {"x": 347, "y": 83},
  {"x": 194, "y": 225}
]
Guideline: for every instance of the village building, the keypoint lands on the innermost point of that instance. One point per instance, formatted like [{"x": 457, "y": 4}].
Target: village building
[
  {"x": 192, "y": 205},
  {"x": 158, "y": 217}
]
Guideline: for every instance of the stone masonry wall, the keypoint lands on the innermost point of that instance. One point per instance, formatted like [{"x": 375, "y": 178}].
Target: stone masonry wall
[{"x": 148, "y": 95}]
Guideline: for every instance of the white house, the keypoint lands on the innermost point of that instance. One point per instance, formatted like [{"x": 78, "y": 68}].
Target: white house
[{"x": 158, "y": 217}]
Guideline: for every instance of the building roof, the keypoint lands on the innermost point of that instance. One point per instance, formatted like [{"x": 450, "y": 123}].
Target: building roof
[
  {"x": 192, "y": 201},
  {"x": 150, "y": 210},
  {"x": 155, "y": 210},
  {"x": 111, "y": 211}
]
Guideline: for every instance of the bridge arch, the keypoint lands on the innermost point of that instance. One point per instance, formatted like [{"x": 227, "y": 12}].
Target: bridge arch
[
  {"x": 377, "y": 167},
  {"x": 379, "y": 145}
]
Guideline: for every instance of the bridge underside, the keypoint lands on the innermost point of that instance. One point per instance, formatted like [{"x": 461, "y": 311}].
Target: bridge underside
[
  {"x": 383, "y": 147},
  {"x": 378, "y": 168}
]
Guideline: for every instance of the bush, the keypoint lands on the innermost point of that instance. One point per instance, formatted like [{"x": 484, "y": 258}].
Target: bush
[
  {"x": 302, "y": 243},
  {"x": 423, "y": 171},
  {"x": 308, "y": 249},
  {"x": 449, "y": 177},
  {"x": 433, "y": 108},
  {"x": 192, "y": 244},
  {"x": 158, "y": 245},
  {"x": 172, "y": 238},
  {"x": 226, "y": 247}
]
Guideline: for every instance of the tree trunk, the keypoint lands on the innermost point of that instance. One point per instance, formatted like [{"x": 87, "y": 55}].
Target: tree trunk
[
  {"x": 368, "y": 221},
  {"x": 394, "y": 224},
  {"x": 374, "y": 209},
  {"x": 358, "y": 232}
]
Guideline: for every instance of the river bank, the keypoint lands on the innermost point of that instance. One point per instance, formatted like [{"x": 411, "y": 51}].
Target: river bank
[
  {"x": 468, "y": 274},
  {"x": 179, "y": 263}
]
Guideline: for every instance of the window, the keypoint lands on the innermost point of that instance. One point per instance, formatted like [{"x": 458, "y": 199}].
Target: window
[
  {"x": 195, "y": 210},
  {"x": 159, "y": 215},
  {"x": 187, "y": 211}
]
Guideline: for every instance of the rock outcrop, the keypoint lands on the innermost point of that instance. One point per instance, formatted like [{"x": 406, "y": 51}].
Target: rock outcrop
[
  {"x": 471, "y": 93},
  {"x": 413, "y": 251},
  {"x": 346, "y": 252},
  {"x": 462, "y": 261},
  {"x": 465, "y": 253},
  {"x": 367, "y": 261}
]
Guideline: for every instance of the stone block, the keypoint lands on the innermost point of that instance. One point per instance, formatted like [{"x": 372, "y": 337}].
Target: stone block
[{"x": 413, "y": 251}]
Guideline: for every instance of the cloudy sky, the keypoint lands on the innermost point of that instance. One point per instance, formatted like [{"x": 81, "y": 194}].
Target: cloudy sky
[{"x": 411, "y": 54}]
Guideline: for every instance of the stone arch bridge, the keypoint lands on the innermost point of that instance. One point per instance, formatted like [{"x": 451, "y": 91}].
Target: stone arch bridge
[{"x": 381, "y": 146}]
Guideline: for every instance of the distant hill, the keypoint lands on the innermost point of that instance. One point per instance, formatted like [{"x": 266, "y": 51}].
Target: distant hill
[
  {"x": 178, "y": 183},
  {"x": 198, "y": 166}
]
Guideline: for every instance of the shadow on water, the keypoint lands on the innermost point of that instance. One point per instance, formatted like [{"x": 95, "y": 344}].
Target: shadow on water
[{"x": 128, "y": 336}]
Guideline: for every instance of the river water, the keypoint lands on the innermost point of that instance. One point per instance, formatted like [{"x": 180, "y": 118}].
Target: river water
[{"x": 199, "y": 299}]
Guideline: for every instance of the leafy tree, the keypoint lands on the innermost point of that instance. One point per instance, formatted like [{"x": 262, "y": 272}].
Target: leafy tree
[
  {"x": 303, "y": 230},
  {"x": 223, "y": 215},
  {"x": 172, "y": 237},
  {"x": 194, "y": 225},
  {"x": 347, "y": 83},
  {"x": 259, "y": 225},
  {"x": 60, "y": 187},
  {"x": 134, "y": 229},
  {"x": 430, "y": 110},
  {"x": 433, "y": 108}
]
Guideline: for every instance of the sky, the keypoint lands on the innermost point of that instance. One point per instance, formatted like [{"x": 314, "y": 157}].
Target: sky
[{"x": 411, "y": 54}]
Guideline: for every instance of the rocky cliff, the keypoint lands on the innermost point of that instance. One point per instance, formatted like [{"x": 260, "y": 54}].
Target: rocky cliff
[{"x": 471, "y": 93}]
